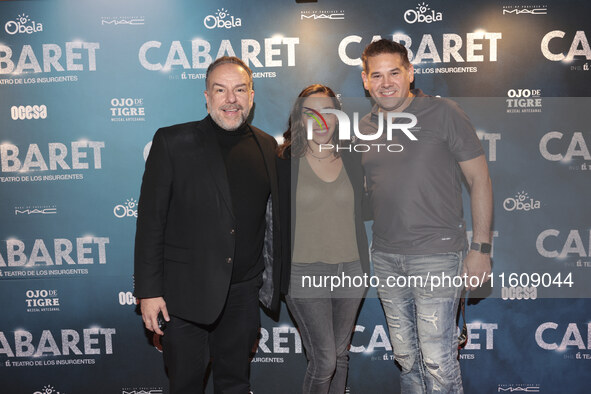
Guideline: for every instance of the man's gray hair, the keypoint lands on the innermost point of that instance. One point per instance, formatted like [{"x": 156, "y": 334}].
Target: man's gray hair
[{"x": 225, "y": 60}]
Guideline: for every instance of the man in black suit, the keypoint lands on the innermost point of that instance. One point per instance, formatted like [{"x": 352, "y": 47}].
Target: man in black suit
[{"x": 205, "y": 251}]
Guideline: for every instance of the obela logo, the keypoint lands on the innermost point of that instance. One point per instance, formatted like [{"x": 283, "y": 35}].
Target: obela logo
[
  {"x": 129, "y": 209},
  {"x": 421, "y": 14},
  {"x": 219, "y": 20},
  {"x": 20, "y": 25},
  {"x": 49, "y": 389},
  {"x": 521, "y": 202}
]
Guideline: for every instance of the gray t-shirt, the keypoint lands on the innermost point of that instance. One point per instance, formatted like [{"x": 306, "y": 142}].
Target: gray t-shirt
[
  {"x": 324, "y": 218},
  {"x": 416, "y": 194}
]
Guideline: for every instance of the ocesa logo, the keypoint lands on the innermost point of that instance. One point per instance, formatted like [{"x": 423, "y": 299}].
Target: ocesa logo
[{"x": 22, "y": 112}]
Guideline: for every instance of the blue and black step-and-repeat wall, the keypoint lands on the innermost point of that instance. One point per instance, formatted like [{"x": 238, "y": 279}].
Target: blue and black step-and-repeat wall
[{"x": 85, "y": 84}]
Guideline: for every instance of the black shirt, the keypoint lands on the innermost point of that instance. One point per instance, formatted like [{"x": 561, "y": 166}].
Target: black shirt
[{"x": 249, "y": 190}]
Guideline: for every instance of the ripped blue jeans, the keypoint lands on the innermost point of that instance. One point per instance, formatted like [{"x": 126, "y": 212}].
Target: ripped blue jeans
[{"x": 421, "y": 318}]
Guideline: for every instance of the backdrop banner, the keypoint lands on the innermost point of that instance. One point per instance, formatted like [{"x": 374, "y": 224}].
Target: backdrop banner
[{"x": 84, "y": 85}]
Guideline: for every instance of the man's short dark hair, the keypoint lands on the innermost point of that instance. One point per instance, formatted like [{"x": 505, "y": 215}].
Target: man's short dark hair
[
  {"x": 225, "y": 60},
  {"x": 384, "y": 46}
]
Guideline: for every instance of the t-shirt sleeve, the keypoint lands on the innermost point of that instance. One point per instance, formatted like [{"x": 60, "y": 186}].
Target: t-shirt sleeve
[{"x": 461, "y": 136}]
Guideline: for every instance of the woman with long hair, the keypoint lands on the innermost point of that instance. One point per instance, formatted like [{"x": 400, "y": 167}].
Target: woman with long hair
[{"x": 321, "y": 187}]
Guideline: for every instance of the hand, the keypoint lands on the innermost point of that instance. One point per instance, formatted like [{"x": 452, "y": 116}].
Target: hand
[
  {"x": 150, "y": 308},
  {"x": 476, "y": 264}
]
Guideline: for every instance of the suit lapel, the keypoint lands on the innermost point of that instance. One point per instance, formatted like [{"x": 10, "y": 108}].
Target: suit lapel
[{"x": 209, "y": 151}]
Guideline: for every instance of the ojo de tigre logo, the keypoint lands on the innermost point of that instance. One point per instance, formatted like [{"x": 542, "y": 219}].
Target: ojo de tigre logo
[
  {"x": 42, "y": 300},
  {"x": 524, "y": 100},
  {"x": 129, "y": 209},
  {"x": 22, "y": 25},
  {"x": 22, "y": 112},
  {"x": 344, "y": 132},
  {"x": 218, "y": 20},
  {"x": 127, "y": 109}
]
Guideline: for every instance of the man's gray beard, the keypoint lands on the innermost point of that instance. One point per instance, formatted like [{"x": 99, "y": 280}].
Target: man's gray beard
[{"x": 220, "y": 122}]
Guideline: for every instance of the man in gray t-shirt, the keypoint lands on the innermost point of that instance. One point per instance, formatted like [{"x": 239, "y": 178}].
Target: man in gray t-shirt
[{"x": 418, "y": 230}]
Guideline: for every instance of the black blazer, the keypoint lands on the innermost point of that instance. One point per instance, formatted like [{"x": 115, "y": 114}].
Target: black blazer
[
  {"x": 184, "y": 246},
  {"x": 287, "y": 183}
]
